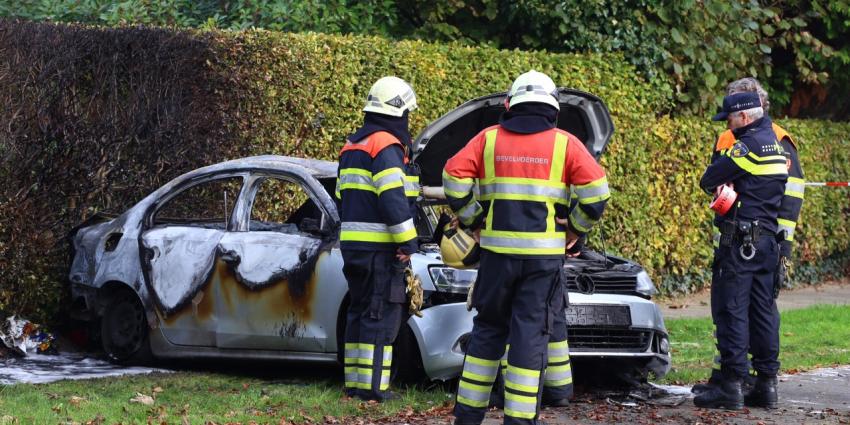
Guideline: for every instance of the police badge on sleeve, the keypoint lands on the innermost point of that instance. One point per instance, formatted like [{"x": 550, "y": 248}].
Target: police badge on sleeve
[{"x": 739, "y": 150}]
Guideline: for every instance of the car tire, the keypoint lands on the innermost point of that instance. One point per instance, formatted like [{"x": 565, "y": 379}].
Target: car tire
[
  {"x": 407, "y": 365},
  {"x": 124, "y": 330}
]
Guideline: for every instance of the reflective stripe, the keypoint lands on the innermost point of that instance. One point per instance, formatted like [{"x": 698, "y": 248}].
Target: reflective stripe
[
  {"x": 377, "y": 232},
  {"x": 558, "y": 351},
  {"x": 355, "y": 179},
  {"x": 559, "y": 157},
  {"x": 524, "y": 192},
  {"x": 580, "y": 220},
  {"x": 390, "y": 178},
  {"x": 411, "y": 186},
  {"x": 470, "y": 212},
  {"x": 519, "y": 406},
  {"x": 760, "y": 166},
  {"x": 558, "y": 375},
  {"x": 385, "y": 380},
  {"x": 788, "y": 226},
  {"x": 489, "y": 154},
  {"x": 388, "y": 355},
  {"x": 479, "y": 370},
  {"x": 795, "y": 187},
  {"x": 594, "y": 191},
  {"x": 523, "y": 242},
  {"x": 456, "y": 187}
]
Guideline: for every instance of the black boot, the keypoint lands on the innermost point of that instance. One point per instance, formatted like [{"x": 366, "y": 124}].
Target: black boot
[
  {"x": 727, "y": 395},
  {"x": 554, "y": 402},
  {"x": 764, "y": 393},
  {"x": 713, "y": 382}
]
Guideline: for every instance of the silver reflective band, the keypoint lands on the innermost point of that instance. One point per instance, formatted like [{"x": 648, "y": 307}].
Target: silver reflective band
[
  {"x": 473, "y": 394},
  {"x": 795, "y": 187},
  {"x": 454, "y": 186},
  {"x": 592, "y": 192},
  {"x": 401, "y": 227},
  {"x": 411, "y": 186},
  {"x": 470, "y": 211},
  {"x": 359, "y": 226},
  {"x": 518, "y": 406},
  {"x": 487, "y": 371},
  {"x": 389, "y": 178},
  {"x": 579, "y": 221},
  {"x": 355, "y": 178},
  {"x": 524, "y": 189},
  {"x": 496, "y": 241},
  {"x": 789, "y": 231},
  {"x": 559, "y": 352},
  {"x": 530, "y": 381}
]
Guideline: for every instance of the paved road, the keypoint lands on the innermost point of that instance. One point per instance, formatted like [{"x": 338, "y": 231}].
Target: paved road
[{"x": 697, "y": 305}]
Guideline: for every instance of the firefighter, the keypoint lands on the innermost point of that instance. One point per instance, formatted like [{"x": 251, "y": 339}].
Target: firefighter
[
  {"x": 789, "y": 212},
  {"x": 377, "y": 235},
  {"x": 524, "y": 167},
  {"x": 742, "y": 303}
]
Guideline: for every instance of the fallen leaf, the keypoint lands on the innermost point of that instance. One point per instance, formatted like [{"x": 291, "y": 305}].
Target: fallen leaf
[
  {"x": 157, "y": 390},
  {"x": 75, "y": 401},
  {"x": 143, "y": 399}
]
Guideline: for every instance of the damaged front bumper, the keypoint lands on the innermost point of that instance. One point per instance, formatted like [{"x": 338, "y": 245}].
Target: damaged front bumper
[{"x": 439, "y": 333}]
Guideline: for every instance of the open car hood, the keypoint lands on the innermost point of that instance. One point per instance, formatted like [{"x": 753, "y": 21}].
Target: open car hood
[{"x": 582, "y": 114}]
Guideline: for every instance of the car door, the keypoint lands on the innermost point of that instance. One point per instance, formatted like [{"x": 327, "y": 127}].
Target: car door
[
  {"x": 179, "y": 256},
  {"x": 273, "y": 259}
]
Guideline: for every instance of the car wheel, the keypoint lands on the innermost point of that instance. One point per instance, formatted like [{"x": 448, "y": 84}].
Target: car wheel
[
  {"x": 124, "y": 330},
  {"x": 407, "y": 365}
]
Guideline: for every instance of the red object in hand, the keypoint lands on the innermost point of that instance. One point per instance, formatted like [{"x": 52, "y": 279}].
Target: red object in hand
[{"x": 725, "y": 197}]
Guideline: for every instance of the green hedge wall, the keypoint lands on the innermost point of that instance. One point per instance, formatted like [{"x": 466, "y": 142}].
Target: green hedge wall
[{"x": 93, "y": 119}]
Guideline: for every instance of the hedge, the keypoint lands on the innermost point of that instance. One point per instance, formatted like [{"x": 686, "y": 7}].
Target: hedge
[{"x": 93, "y": 119}]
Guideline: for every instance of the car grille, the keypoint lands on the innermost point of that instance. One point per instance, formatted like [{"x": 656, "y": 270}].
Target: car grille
[
  {"x": 596, "y": 284},
  {"x": 592, "y": 338}
]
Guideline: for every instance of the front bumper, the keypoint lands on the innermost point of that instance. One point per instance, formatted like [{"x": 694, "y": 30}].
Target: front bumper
[{"x": 441, "y": 330}]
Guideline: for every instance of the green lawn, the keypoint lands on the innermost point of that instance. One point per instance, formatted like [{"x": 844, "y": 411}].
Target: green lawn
[{"x": 811, "y": 337}]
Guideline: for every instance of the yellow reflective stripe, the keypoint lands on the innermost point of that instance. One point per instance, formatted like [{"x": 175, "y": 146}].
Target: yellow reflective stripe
[
  {"x": 359, "y": 171},
  {"x": 470, "y": 402},
  {"x": 560, "y": 236},
  {"x": 521, "y": 387},
  {"x": 359, "y": 236},
  {"x": 336, "y": 191},
  {"x": 523, "y": 197},
  {"x": 478, "y": 377},
  {"x": 404, "y": 236},
  {"x": 788, "y": 226},
  {"x": 795, "y": 187},
  {"x": 594, "y": 191},
  {"x": 391, "y": 185},
  {"x": 387, "y": 172},
  {"x": 357, "y": 186},
  {"x": 478, "y": 388},
  {"x": 558, "y": 382},
  {"x": 518, "y": 414},
  {"x": 559, "y": 156},
  {"x": 490, "y": 154},
  {"x": 760, "y": 169},
  {"x": 482, "y": 362},
  {"x": 768, "y": 158},
  {"x": 524, "y": 372},
  {"x": 456, "y": 187},
  {"x": 580, "y": 220}
]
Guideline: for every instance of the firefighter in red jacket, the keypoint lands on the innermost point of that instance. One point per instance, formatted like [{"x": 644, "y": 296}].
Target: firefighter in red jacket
[
  {"x": 377, "y": 234},
  {"x": 524, "y": 167}
]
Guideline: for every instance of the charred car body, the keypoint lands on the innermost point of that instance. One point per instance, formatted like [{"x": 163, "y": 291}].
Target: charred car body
[{"x": 241, "y": 260}]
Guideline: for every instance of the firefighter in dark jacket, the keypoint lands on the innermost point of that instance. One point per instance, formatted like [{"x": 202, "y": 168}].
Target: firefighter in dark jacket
[
  {"x": 377, "y": 235},
  {"x": 742, "y": 303},
  {"x": 789, "y": 211},
  {"x": 524, "y": 167}
]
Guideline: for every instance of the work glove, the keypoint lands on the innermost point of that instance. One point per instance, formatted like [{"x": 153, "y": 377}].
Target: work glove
[{"x": 781, "y": 276}]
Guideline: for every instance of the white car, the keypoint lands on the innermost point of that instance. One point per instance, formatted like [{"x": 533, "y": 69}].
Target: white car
[{"x": 241, "y": 260}]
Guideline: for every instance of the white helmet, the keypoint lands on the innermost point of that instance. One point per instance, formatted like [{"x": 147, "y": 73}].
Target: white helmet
[
  {"x": 533, "y": 86},
  {"x": 390, "y": 96}
]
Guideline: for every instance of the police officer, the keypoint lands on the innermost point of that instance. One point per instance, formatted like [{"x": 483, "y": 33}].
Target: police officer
[
  {"x": 742, "y": 303},
  {"x": 524, "y": 167},
  {"x": 789, "y": 212},
  {"x": 377, "y": 235}
]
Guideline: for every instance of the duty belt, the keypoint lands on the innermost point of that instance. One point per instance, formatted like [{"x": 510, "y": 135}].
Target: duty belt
[{"x": 745, "y": 232}]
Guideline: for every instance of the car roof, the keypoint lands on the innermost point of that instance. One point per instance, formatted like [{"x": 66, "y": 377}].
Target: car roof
[{"x": 316, "y": 167}]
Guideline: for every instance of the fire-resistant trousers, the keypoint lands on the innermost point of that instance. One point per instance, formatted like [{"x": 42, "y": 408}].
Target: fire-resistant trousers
[
  {"x": 744, "y": 310},
  {"x": 515, "y": 300},
  {"x": 558, "y": 376},
  {"x": 377, "y": 292}
]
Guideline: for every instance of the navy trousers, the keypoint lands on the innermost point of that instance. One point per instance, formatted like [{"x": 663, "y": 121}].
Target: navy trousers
[
  {"x": 377, "y": 291},
  {"x": 744, "y": 310},
  {"x": 515, "y": 302}
]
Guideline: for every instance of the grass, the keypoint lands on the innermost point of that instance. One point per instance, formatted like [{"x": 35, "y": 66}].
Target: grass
[
  {"x": 272, "y": 393},
  {"x": 809, "y": 338},
  {"x": 203, "y": 397}
]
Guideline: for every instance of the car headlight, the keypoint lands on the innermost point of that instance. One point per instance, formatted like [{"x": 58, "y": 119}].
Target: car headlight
[
  {"x": 449, "y": 279},
  {"x": 644, "y": 284}
]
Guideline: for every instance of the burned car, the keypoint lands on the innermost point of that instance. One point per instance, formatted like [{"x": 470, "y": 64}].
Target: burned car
[{"x": 241, "y": 260}]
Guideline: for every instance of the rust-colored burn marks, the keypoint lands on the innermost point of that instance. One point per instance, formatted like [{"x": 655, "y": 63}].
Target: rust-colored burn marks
[{"x": 275, "y": 299}]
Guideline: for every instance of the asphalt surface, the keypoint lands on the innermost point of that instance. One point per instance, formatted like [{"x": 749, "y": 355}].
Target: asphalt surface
[{"x": 698, "y": 305}]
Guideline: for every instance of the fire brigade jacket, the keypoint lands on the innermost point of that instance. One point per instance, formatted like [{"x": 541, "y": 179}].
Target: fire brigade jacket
[
  {"x": 524, "y": 183},
  {"x": 756, "y": 165},
  {"x": 371, "y": 185},
  {"x": 792, "y": 200}
]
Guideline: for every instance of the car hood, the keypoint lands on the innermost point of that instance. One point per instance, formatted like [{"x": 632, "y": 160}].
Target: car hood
[{"x": 582, "y": 114}]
